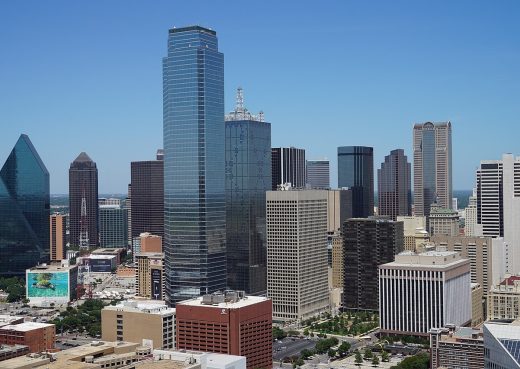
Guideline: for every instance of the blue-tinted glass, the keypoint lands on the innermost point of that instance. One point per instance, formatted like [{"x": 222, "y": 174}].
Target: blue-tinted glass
[
  {"x": 248, "y": 177},
  {"x": 194, "y": 189},
  {"x": 24, "y": 210}
]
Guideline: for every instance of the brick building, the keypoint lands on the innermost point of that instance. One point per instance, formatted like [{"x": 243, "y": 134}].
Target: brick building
[{"x": 229, "y": 323}]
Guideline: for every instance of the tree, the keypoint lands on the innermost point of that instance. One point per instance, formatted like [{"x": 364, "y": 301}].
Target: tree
[
  {"x": 384, "y": 356},
  {"x": 358, "y": 360},
  {"x": 375, "y": 361},
  {"x": 368, "y": 354}
]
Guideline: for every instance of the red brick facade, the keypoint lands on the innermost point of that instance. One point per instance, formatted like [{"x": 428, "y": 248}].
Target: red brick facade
[{"x": 244, "y": 331}]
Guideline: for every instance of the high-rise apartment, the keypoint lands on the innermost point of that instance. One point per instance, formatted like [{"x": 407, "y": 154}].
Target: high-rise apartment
[
  {"x": 432, "y": 156},
  {"x": 394, "y": 186},
  {"x": 418, "y": 292},
  {"x": 113, "y": 226},
  {"x": 297, "y": 276},
  {"x": 229, "y": 323},
  {"x": 135, "y": 321},
  {"x": 58, "y": 239},
  {"x": 288, "y": 166},
  {"x": 356, "y": 171},
  {"x": 83, "y": 202},
  {"x": 24, "y": 210},
  {"x": 147, "y": 196},
  {"x": 498, "y": 204},
  {"x": 318, "y": 174},
  {"x": 248, "y": 177},
  {"x": 367, "y": 243},
  {"x": 194, "y": 164}
]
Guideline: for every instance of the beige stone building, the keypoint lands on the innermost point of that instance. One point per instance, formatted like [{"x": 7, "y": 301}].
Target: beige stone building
[
  {"x": 503, "y": 300},
  {"x": 412, "y": 225},
  {"x": 149, "y": 279},
  {"x": 479, "y": 252},
  {"x": 477, "y": 308},
  {"x": 297, "y": 270},
  {"x": 135, "y": 321}
]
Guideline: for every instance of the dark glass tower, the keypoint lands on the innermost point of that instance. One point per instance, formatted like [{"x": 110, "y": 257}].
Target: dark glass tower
[
  {"x": 147, "y": 201},
  {"x": 367, "y": 243},
  {"x": 356, "y": 171},
  {"x": 24, "y": 210},
  {"x": 394, "y": 185},
  {"x": 288, "y": 166},
  {"x": 194, "y": 174},
  {"x": 83, "y": 192},
  {"x": 248, "y": 177}
]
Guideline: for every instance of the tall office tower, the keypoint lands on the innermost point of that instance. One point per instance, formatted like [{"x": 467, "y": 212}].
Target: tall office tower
[
  {"x": 113, "y": 226},
  {"x": 443, "y": 221},
  {"x": 394, "y": 186},
  {"x": 470, "y": 222},
  {"x": 194, "y": 164},
  {"x": 356, "y": 171},
  {"x": 288, "y": 166},
  {"x": 24, "y": 210},
  {"x": 498, "y": 204},
  {"x": 228, "y": 323},
  {"x": 339, "y": 203},
  {"x": 248, "y": 177},
  {"x": 432, "y": 177},
  {"x": 318, "y": 174},
  {"x": 367, "y": 243},
  {"x": 147, "y": 196},
  {"x": 418, "y": 292},
  {"x": 501, "y": 341},
  {"x": 297, "y": 275},
  {"x": 83, "y": 202},
  {"x": 149, "y": 279},
  {"x": 58, "y": 237}
]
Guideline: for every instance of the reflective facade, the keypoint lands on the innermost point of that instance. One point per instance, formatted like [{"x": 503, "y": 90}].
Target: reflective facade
[
  {"x": 24, "y": 210},
  {"x": 356, "y": 171},
  {"x": 194, "y": 179},
  {"x": 248, "y": 177}
]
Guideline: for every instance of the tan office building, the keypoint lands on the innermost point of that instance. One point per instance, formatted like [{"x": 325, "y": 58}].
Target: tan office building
[
  {"x": 135, "y": 321},
  {"x": 149, "y": 279},
  {"x": 478, "y": 250},
  {"x": 58, "y": 236},
  {"x": 297, "y": 276},
  {"x": 503, "y": 300}
]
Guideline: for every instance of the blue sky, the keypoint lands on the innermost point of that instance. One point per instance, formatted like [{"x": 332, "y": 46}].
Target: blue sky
[{"x": 86, "y": 76}]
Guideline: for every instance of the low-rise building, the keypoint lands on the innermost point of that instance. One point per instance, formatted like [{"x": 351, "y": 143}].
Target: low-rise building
[
  {"x": 503, "y": 300},
  {"x": 418, "y": 292},
  {"x": 53, "y": 283},
  {"x": 133, "y": 321},
  {"x": 37, "y": 336},
  {"x": 456, "y": 347}
]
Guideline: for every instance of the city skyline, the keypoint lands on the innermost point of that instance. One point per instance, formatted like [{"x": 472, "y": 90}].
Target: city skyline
[{"x": 474, "y": 88}]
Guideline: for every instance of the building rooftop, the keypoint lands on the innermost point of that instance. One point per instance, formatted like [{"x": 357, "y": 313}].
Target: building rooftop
[
  {"x": 142, "y": 306},
  {"x": 224, "y": 300},
  {"x": 26, "y": 326}
]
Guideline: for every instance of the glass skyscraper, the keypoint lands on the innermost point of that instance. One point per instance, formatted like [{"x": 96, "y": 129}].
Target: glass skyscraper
[
  {"x": 248, "y": 177},
  {"x": 356, "y": 171},
  {"x": 194, "y": 174},
  {"x": 24, "y": 210}
]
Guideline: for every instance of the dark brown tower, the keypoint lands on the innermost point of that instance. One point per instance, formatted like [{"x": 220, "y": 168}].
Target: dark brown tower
[
  {"x": 147, "y": 205},
  {"x": 83, "y": 184}
]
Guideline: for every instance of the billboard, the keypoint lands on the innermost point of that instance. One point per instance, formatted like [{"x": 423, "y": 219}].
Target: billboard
[
  {"x": 156, "y": 284},
  {"x": 48, "y": 286}
]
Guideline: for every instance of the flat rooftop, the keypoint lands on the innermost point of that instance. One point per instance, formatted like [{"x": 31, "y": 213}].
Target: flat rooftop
[
  {"x": 245, "y": 301},
  {"x": 26, "y": 326}
]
